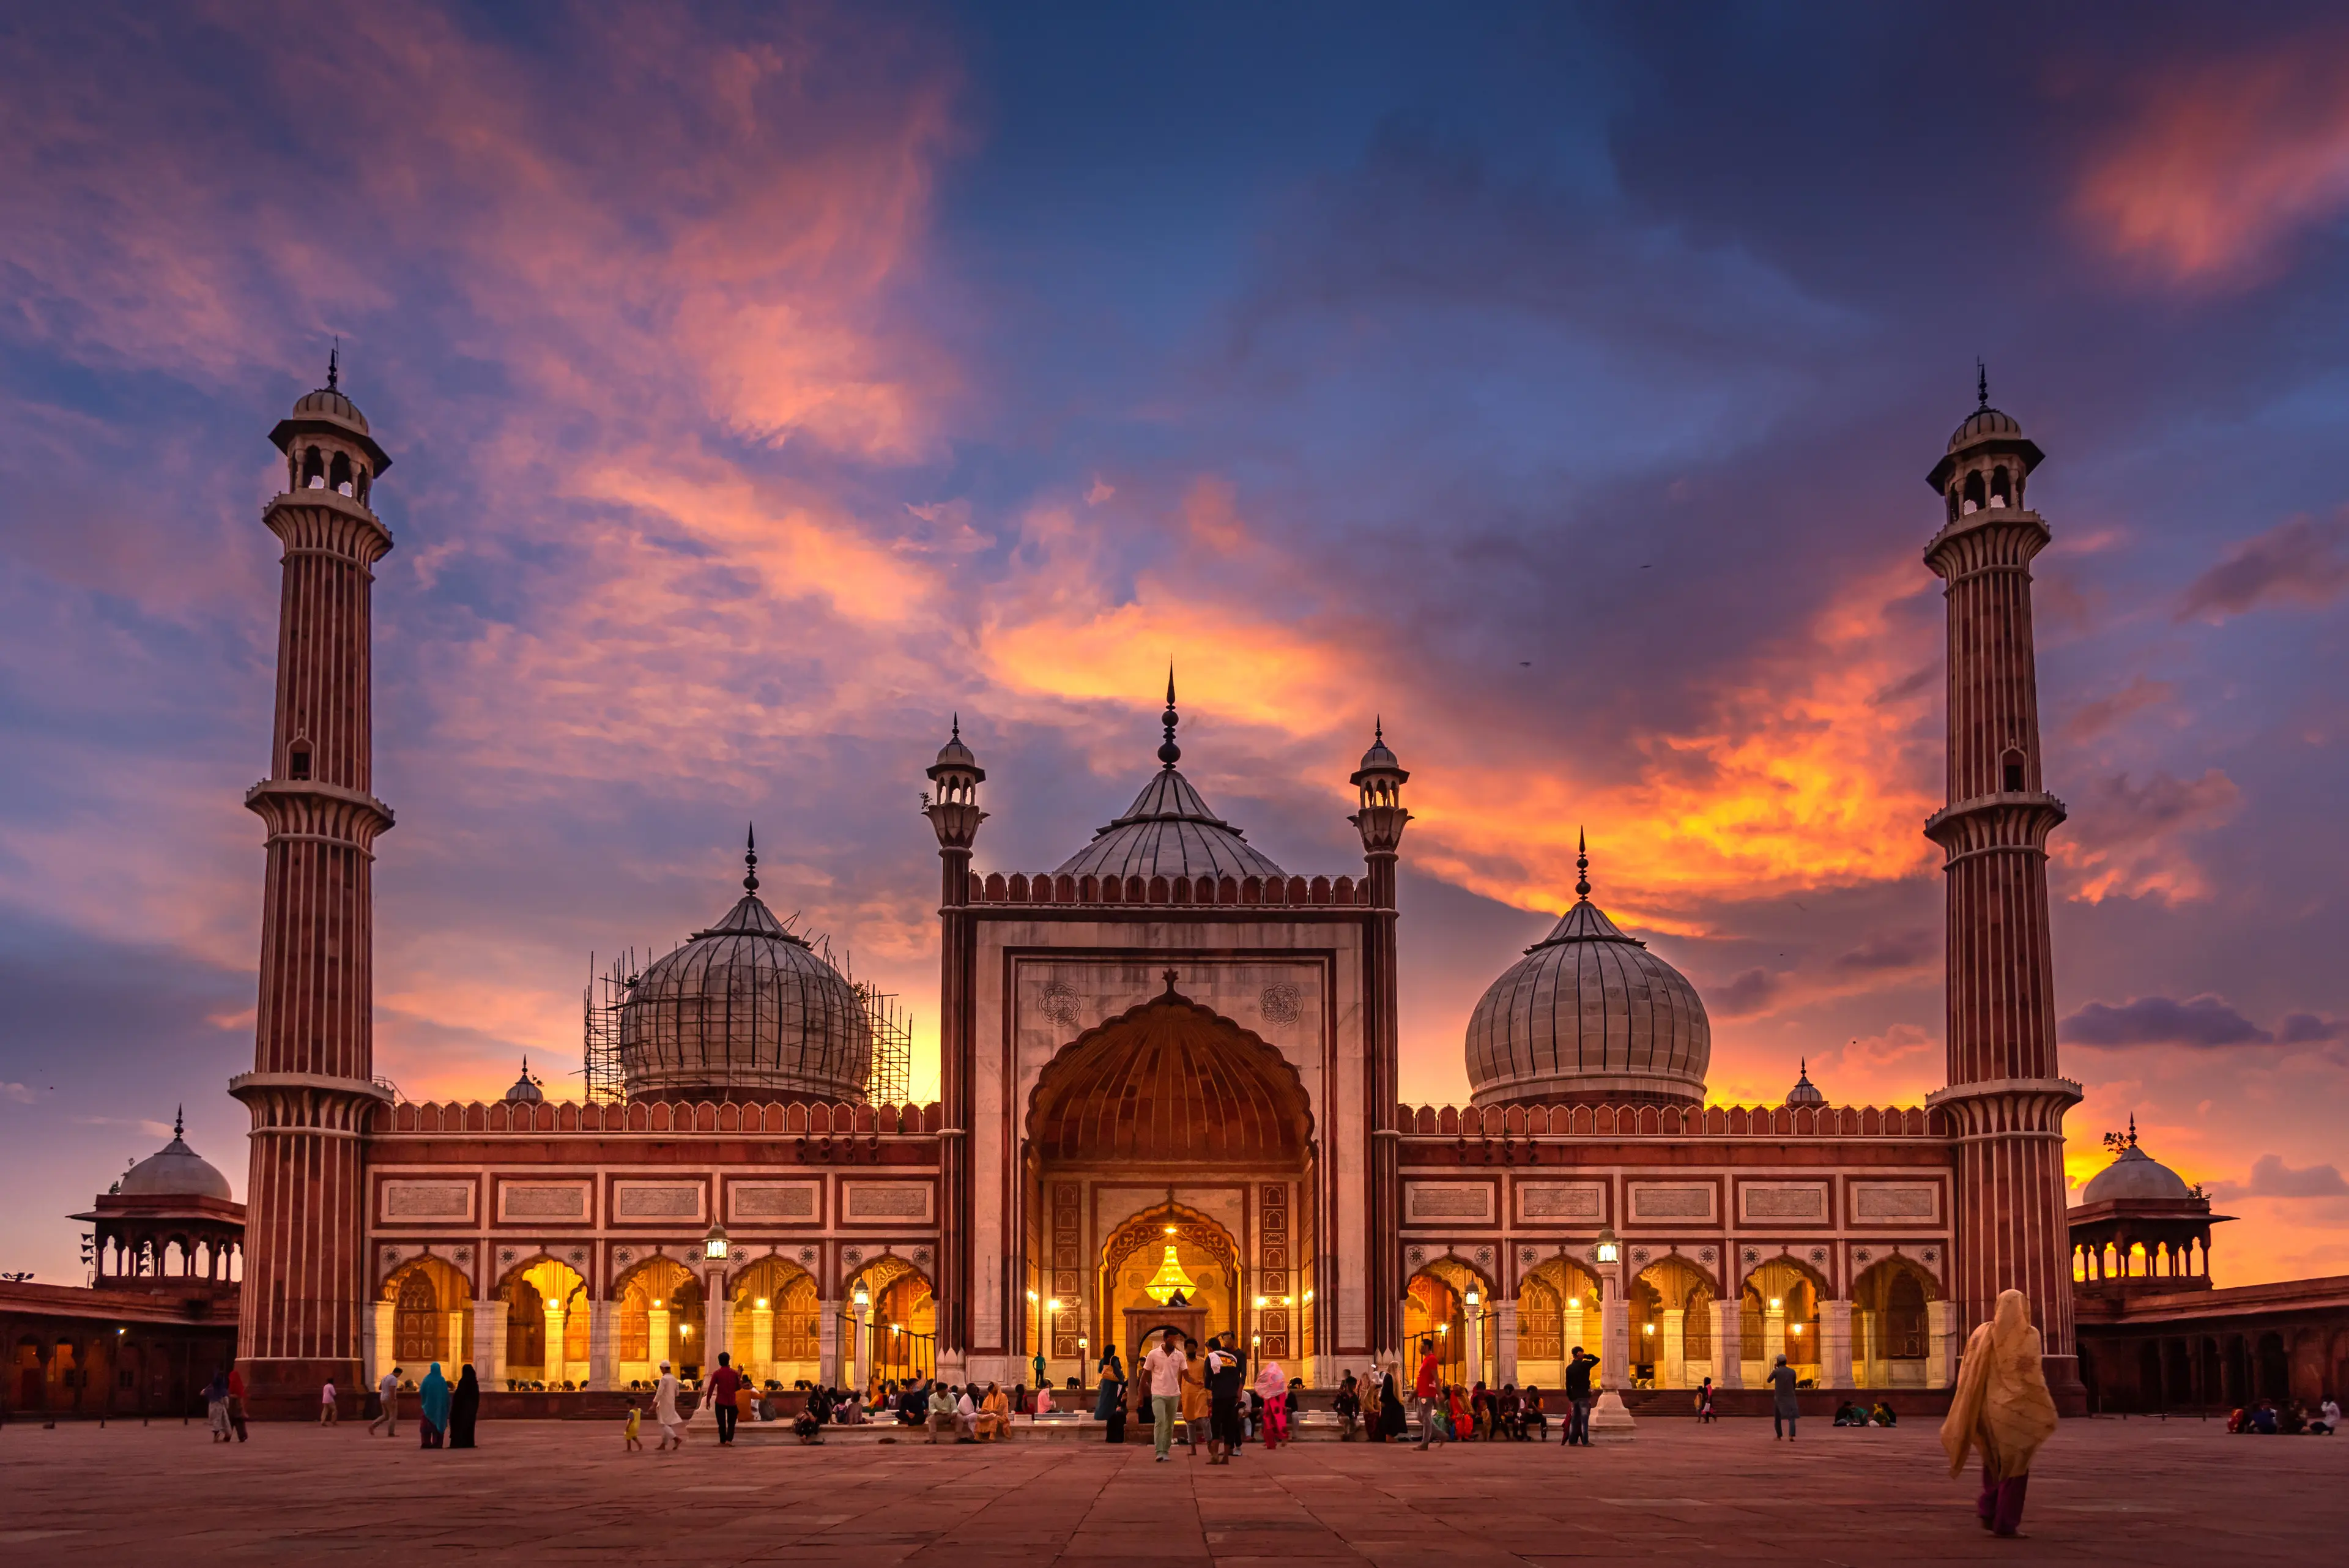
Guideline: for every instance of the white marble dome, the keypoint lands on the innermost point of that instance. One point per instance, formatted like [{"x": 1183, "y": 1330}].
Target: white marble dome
[
  {"x": 174, "y": 1171},
  {"x": 2135, "y": 1176}
]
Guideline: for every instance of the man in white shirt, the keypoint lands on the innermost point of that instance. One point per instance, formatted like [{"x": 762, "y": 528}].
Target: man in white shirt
[
  {"x": 672, "y": 1425},
  {"x": 966, "y": 1417},
  {"x": 388, "y": 1389},
  {"x": 1163, "y": 1367}
]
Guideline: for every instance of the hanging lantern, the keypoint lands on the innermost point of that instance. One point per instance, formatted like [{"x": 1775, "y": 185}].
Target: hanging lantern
[{"x": 1169, "y": 1279}]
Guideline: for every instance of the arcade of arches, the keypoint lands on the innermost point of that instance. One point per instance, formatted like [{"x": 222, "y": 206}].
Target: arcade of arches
[{"x": 1170, "y": 1182}]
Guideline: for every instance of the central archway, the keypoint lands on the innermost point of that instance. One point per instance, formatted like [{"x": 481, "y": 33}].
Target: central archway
[{"x": 1169, "y": 1115}]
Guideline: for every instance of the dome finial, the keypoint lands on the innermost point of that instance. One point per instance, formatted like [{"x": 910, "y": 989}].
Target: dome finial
[
  {"x": 334, "y": 365},
  {"x": 1581, "y": 866},
  {"x": 1169, "y": 752},
  {"x": 751, "y": 861},
  {"x": 1981, "y": 382},
  {"x": 180, "y": 1122},
  {"x": 957, "y": 725}
]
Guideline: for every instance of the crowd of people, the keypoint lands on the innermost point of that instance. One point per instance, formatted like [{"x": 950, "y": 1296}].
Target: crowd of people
[{"x": 2291, "y": 1419}]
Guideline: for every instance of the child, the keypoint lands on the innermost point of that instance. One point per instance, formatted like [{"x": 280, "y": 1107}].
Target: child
[{"x": 631, "y": 1443}]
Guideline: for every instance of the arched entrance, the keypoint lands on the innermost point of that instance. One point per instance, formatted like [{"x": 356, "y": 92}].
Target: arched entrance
[
  {"x": 1436, "y": 1308},
  {"x": 1892, "y": 1329},
  {"x": 1779, "y": 1314},
  {"x": 659, "y": 1319},
  {"x": 893, "y": 1336},
  {"x": 546, "y": 1323},
  {"x": 431, "y": 1317},
  {"x": 1168, "y": 1115},
  {"x": 1557, "y": 1309},
  {"x": 777, "y": 1333},
  {"x": 1672, "y": 1323}
]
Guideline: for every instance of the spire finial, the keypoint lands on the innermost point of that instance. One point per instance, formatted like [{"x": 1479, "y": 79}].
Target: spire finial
[
  {"x": 958, "y": 726},
  {"x": 334, "y": 364},
  {"x": 1581, "y": 866},
  {"x": 178, "y": 1122},
  {"x": 751, "y": 861},
  {"x": 1169, "y": 752},
  {"x": 2131, "y": 1129},
  {"x": 1981, "y": 383},
  {"x": 1379, "y": 728}
]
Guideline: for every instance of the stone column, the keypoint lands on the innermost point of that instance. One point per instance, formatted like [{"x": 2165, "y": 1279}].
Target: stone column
[
  {"x": 657, "y": 1338},
  {"x": 1940, "y": 1325},
  {"x": 1614, "y": 1338},
  {"x": 1505, "y": 1342},
  {"x": 827, "y": 1337},
  {"x": 760, "y": 1357},
  {"x": 1574, "y": 1336},
  {"x": 1728, "y": 1354},
  {"x": 720, "y": 1321},
  {"x": 1774, "y": 1337},
  {"x": 1474, "y": 1322},
  {"x": 602, "y": 1372},
  {"x": 557, "y": 1317},
  {"x": 1672, "y": 1356},
  {"x": 380, "y": 1342},
  {"x": 489, "y": 1342},
  {"x": 1834, "y": 1343},
  {"x": 456, "y": 1346}
]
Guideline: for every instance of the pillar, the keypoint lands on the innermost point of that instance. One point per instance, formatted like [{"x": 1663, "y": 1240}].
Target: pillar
[
  {"x": 1867, "y": 1331},
  {"x": 720, "y": 1319},
  {"x": 1474, "y": 1322},
  {"x": 1728, "y": 1354},
  {"x": 828, "y": 1344},
  {"x": 657, "y": 1336},
  {"x": 1940, "y": 1356},
  {"x": 489, "y": 1342},
  {"x": 1672, "y": 1355},
  {"x": 1834, "y": 1344},
  {"x": 603, "y": 1371},
  {"x": 1505, "y": 1342},
  {"x": 1614, "y": 1337},
  {"x": 761, "y": 1360},
  {"x": 380, "y": 1342},
  {"x": 458, "y": 1346},
  {"x": 1573, "y": 1335},
  {"x": 1774, "y": 1335},
  {"x": 557, "y": 1316}
]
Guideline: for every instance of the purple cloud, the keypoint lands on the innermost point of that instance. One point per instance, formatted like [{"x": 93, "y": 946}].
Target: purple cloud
[
  {"x": 2200, "y": 1021},
  {"x": 2303, "y": 561}
]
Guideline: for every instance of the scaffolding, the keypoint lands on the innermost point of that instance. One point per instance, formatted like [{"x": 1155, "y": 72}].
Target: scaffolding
[{"x": 888, "y": 1079}]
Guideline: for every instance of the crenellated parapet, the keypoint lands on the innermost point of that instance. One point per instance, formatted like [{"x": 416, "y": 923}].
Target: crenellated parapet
[
  {"x": 1611, "y": 1122},
  {"x": 1288, "y": 892},
  {"x": 663, "y": 1117}
]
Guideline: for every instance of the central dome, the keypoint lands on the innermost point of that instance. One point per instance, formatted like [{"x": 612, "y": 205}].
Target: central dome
[
  {"x": 744, "y": 1012},
  {"x": 1588, "y": 1016},
  {"x": 1169, "y": 831}
]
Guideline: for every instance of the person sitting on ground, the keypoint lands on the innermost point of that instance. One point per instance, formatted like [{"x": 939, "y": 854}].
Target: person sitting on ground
[
  {"x": 2238, "y": 1420},
  {"x": 2264, "y": 1419},
  {"x": 1882, "y": 1415},
  {"x": 940, "y": 1410},
  {"x": 1845, "y": 1415},
  {"x": 808, "y": 1425},
  {"x": 1393, "y": 1420},
  {"x": 994, "y": 1422},
  {"x": 966, "y": 1414},
  {"x": 1044, "y": 1400},
  {"x": 1480, "y": 1411},
  {"x": 1508, "y": 1415},
  {"x": 1531, "y": 1416},
  {"x": 1348, "y": 1407},
  {"x": 2294, "y": 1420},
  {"x": 2328, "y": 1418},
  {"x": 1464, "y": 1415}
]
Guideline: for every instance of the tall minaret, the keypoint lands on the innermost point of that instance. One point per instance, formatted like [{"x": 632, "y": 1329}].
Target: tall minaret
[
  {"x": 313, "y": 1081},
  {"x": 1380, "y": 821},
  {"x": 2005, "y": 1102},
  {"x": 953, "y": 810}
]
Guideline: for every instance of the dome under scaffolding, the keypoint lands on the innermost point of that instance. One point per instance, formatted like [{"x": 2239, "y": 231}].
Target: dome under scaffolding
[{"x": 748, "y": 1009}]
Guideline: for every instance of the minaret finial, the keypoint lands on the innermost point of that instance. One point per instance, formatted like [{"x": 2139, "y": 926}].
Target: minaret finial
[
  {"x": 334, "y": 364},
  {"x": 1581, "y": 866},
  {"x": 178, "y": 1122},
  {"x": 751, "y": 861},
  {"x": 1379, "y": 728},
  {"x": 958, "y": 726},
  {"x": 1981, "y": 383},
  {"x": 1169, "y": 752}
]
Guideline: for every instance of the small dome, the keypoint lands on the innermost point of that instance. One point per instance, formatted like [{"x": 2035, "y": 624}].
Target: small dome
[
  {"x": 329, "y": 402},
  {"x": 526, "y": 1089},
  {"x": 955, "y": 754},
  {"x": 1983, "y": 424},
  {"x": 1589, "y": 1015},
  {"x": 1169, "y": 831},
  {"x": 2135, "y": 1176},
  {"x": 746, "y": 1011},
  {"x": 1378, "y": 759},
  {"x": 174, "y": 1171},
  {"x": 1804, "y": 1092}
]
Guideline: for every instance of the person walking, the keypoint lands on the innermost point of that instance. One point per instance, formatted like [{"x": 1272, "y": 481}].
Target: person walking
[
  {"x": 236, "y": 1401},
  {"x": 1784, "y": 1406},
  {"x": 2001, "y": 1408},
  {"x": 1704, "y": 1411},
  {"x": 327, "y": 1413},
  {"x": 1162, "y": 1367},
  {"x": 1392, "y": 1423},
  {"x": 1112, "y": 1402},
  {"x": 431, "y": 1408},
  {"x": 672, "y": 1425},
  {"x": 1198, "y": 1403},
  {"x": 216, "y": 1406},
  {"x": 1579, "y": 1397},
  {"x": 1426, "y": 1394},
  {"x": 724, "y": 1384},
  {"x": 1221, "y": 1384},
  {"x": 465, "y": 1409},
  {"x": 387, "y": 1391},
  {"x": 1272, "y": 1387}
]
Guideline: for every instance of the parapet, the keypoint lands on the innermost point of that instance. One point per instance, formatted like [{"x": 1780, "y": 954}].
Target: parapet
[
  {"x": 1667, "y": 1121},
  {"x": 657, "y": 1117},
  {"x": 1279, "y": 891}
]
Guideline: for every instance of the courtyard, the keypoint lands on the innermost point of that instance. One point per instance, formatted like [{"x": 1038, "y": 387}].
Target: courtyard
[{"x": 2145, "y": 1492}]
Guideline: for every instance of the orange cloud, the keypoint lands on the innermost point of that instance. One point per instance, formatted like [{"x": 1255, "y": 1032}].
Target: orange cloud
[{"x": 2224, "y": 162}]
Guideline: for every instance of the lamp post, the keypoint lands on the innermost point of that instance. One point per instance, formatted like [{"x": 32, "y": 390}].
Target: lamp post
[
  {"x": 1470, "y": 1300},
  {"x": 860, "y": 1354}
]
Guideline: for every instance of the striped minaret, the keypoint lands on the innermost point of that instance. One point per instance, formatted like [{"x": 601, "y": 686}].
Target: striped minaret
[
  {"x": 2005, "y": 1102},
  {"x": 313, "y": 1081}
]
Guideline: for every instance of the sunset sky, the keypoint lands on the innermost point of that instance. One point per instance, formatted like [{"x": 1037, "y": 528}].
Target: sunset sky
[{"x": 764, "y": 387}]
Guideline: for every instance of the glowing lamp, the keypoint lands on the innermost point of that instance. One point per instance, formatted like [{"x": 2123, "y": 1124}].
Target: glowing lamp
[
  {"x": 1774, "y": 1304},
  {"x": 659, "y": 1303},
  {"x": 1608, "y": 1250},
  {"x": 1444, "y": 1328},
  {"x": 1647, "y": 1328},
  {"x": 1472, "y": 1298},
  {"x": 713, "y": 1245},
  {"x": 1797, "y": 1330},
  {"x": 1053, "y": 1305},
  {"x": 763, "y": 1303},
  {"x": 864, "y": 1298},
  {"x": 1259, "y": 1303},
  {"x": 686, "y": 1329},
  {"x": 1284, "y": 1300},
  {"x": 1031, "y": 1295}
]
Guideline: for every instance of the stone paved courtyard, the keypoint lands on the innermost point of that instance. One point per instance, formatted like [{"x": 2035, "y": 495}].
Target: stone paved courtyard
[{"x": 2141, "y": 1492}]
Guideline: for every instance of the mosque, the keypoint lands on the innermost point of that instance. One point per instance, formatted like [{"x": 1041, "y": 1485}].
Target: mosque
[{"x": 1168, "y": 1097}]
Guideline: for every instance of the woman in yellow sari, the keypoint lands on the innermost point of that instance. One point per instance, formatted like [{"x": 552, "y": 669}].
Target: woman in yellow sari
[
  {"x": 2003, "y": 1409},
  {"x": 994, "y": 1415},
  {"x": 1197, "y": 1405}
]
